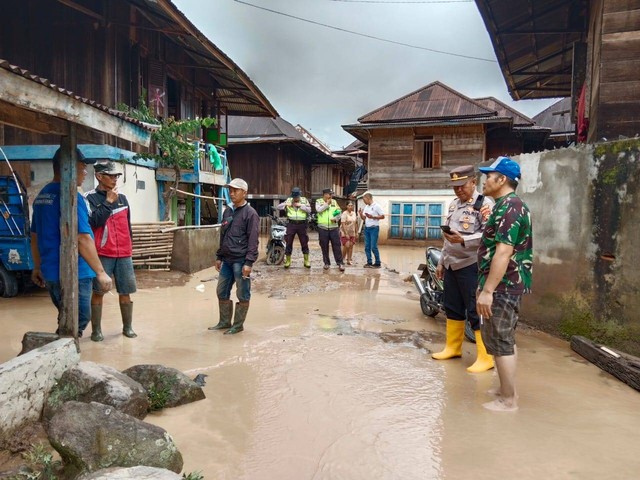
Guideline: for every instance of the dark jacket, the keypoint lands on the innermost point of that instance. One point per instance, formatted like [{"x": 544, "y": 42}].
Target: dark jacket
[
  {"x": 239, "y": 235},
  {"x": 111, "y": 224}
]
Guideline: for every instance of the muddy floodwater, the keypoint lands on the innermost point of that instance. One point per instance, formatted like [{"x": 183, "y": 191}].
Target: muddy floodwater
[{"x": 329, "y": 381}]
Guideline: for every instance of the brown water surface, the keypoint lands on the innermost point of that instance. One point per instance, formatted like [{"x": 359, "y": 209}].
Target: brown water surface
[{"x": 310, "y": 391}]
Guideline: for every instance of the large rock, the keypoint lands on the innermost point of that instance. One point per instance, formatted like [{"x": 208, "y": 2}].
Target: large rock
[
  {"x": 133, "y": 473},
  {"x": 26, "y": 380},
  {"x": 92, "y": 436},
  {"x": 91, "y": 382},
  {"x": 33, "y": 340},
  {"x": 172, "y": 385}
]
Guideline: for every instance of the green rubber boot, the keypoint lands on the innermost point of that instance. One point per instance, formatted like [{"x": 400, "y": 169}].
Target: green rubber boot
[
  {"x": 126, "y": 310},
  {"x": 225, "y": 308},
  {"x": 287, "y": 261},
  {"x": 307, "y": 263},
  {"x": 96, "y": 323},
  {"x": 241, "y": 314}
]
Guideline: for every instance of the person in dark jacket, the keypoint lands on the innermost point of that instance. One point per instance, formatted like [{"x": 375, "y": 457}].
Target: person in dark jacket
[
  {"x": 110, "y": 220},
  {"x": 235, "y": 257}
]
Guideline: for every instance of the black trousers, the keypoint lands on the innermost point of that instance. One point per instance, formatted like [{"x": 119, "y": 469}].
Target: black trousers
[
  {"x": 294, "y": 229},
  {"x": 330, "y": 236},
  {"x": 460, "y": 294}
]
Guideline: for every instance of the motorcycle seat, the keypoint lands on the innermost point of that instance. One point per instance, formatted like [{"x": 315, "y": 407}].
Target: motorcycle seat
[{"x": 433, "y": 256}]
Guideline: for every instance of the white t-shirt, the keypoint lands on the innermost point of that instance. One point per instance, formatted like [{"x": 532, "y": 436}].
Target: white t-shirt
[{"x": 375, "y": 210}]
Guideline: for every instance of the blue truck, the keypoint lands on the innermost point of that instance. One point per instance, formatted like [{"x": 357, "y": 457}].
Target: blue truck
[{"x": 16, "y": 261}]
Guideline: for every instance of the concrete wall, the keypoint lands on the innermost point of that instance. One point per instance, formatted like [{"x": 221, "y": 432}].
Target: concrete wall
[
  {"x": 194, "y": 249},
  {"x": 27, "y": 379},
  {"x": 586, "y": 224}
]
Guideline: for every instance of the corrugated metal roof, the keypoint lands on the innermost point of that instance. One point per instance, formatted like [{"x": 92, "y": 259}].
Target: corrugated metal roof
[
  {"x": 261, "y": 127},
  {"x": 533, "y": 41},
  {"x": 558, "y": 117},
  {"x": 255, "y": 130},
  {"x": 235, "y": 90},
  {"x": 504, "y": 110},
  {"x": 4, "y": 64},
  {"x": 434, "y": 101}
]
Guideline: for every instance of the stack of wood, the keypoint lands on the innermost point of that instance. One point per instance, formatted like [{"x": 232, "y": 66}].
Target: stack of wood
[{"x": 151, "y": 247}]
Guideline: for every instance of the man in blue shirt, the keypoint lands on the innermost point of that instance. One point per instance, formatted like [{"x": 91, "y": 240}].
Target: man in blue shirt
[{"x": 45, "y": 244}]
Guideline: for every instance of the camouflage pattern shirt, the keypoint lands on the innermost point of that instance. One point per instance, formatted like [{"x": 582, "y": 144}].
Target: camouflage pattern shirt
[{"x": 509, "y": 223}]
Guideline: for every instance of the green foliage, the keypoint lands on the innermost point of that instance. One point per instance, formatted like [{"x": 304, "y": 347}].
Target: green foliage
[
  {"x": 193, "y": 476},
  {"x": 40, "y": 464},
  {"x": 172, "y": 137},
  {"x": 578, "y": 319},
  {"x": 159, "y": 393}
]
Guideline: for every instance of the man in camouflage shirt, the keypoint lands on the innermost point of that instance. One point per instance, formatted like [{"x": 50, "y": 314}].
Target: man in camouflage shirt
[{"x": 505, "y": 258}]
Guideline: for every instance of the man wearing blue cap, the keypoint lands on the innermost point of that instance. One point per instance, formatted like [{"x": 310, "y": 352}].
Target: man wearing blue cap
[{"x": 505, "y": 259}]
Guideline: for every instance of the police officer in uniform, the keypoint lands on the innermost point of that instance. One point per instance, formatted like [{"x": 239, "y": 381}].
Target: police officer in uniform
[
  {"x": 297, "y": 209},
  {"x": 459, "y": 266}
]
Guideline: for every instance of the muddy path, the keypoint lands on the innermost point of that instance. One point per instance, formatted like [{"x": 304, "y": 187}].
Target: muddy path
[{"x": 332, "y": 379}]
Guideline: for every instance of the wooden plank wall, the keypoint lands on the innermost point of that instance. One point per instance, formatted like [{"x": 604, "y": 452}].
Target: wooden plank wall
[
  {"x": 391, "y": 156},
  {"x": 270, "y": 168},
  {"x": 103, "y": 62},
  {"x": 618, "y": 98}
]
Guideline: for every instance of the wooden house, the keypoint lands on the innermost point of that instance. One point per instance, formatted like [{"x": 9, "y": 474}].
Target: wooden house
[
  {"x": 32, "y": 104},
  {"x": 587, "y": 50},
  {"x": 116, "y": 52},
  {"x": 414, "y": 142},
  {"x": 559, "y": 118},
  {"x": 273, "y": 157}
]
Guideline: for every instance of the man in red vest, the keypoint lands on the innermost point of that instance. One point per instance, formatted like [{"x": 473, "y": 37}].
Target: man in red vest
[{"x": 110, "y": 220}]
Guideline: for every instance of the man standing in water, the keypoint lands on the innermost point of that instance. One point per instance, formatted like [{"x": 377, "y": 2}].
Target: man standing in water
[
  {"x": 372, "y": 213},
  {"x": 505, "y": 259},
  {"x": 110, "y": 220},
  {"x": 297, "y": 209},
  {"x": 459, "y": 267},
  {"x": 235, "y": 257}
]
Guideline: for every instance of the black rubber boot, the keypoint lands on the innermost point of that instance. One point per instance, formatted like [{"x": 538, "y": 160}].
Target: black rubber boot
[
  {"x": 96, "y": 323},
  {"x": 226, "y": 312},
  {"x": 241, "y": 314},
  {"x": 126, "y": 309}
]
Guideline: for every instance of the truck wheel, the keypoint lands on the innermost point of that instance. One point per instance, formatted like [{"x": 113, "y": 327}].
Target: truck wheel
[{"x": 8, "y": 283}]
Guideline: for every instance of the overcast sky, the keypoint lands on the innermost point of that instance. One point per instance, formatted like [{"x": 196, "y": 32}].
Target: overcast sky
[{"x": 322, "y": 78}]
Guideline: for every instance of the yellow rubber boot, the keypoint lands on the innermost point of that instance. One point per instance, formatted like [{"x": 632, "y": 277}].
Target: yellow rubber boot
[
  {"x": 287, "y": 261},
  {"x": 307, "y": 263},
  {"x": 484, "y": 361},
  {"x": 455, "y": 334}
]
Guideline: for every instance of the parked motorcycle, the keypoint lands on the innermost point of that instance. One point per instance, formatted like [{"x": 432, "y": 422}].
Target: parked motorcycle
[
  {"x": 276, "y": 245},
  {"x": 431, "y": 289}
]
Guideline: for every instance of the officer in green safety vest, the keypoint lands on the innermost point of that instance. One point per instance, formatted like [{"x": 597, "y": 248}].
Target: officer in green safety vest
[
  {"x": 328, "y": 215},
  {"x": 297, "y": 209}
]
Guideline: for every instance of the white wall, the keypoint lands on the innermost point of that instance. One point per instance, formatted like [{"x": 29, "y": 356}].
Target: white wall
[{"x": 143, "y": 202}]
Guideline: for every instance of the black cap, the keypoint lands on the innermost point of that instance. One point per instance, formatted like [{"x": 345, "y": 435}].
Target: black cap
[
  {"x": 296, "y": 192},
  {"x": 106, "y": 167},
  {"x": 327, "y": 190}
]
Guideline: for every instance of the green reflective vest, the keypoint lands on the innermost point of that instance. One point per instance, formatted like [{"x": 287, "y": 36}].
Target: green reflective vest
[
  {"x": 296, "y": 213},
  {"x": 324, "y": 217}
]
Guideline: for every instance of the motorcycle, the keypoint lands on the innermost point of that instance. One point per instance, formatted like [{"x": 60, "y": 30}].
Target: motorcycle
[
  {"x": 431, "y": 289},
  {"x": 276, "y": 245}
]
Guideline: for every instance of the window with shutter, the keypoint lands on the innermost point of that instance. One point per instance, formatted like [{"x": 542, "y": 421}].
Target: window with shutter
[{"x": 427, "y": 153}]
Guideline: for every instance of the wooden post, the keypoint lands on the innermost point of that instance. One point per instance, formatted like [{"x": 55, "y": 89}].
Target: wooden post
[
  {"x": 198, "y": 186},
  {"x": 69, "y": 235}
]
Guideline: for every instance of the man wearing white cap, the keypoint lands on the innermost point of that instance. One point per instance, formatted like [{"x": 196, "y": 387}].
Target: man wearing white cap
[{"x": 235, "y": 257}]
